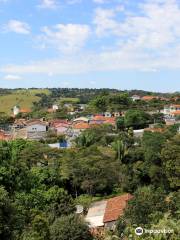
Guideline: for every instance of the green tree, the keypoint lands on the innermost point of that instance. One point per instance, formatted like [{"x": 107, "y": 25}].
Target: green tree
[
  {"x": 137, "y": 119},
  {"x": 70, "y": 228},
  {"x": 171, "y": 161},
  {"x": 7, "y": 216},
  {"x": 146, "y": 201}
]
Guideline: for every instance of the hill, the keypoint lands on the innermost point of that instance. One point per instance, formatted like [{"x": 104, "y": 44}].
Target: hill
[{"x": 22, "y": 98}]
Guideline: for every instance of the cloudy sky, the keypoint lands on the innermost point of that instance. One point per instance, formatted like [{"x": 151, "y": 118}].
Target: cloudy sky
[{"x": 124, "y": 44}]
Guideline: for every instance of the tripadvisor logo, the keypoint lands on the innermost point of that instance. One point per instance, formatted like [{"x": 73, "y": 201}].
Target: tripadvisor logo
[{"x": 139, "y": 231}]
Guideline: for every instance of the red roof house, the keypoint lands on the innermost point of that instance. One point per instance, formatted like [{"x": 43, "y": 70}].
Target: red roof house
[{"x": 115, "y": 208}]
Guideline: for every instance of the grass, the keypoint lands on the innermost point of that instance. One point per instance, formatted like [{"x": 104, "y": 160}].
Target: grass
[
  {"x": 22, "y": 98},
  {"x": 69, "y": 100}
]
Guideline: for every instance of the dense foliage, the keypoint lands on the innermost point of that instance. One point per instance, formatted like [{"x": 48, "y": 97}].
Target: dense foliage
[{"x": 40, "y": 186}]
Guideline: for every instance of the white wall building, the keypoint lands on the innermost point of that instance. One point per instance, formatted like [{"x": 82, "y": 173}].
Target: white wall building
[{"x": 16, "y": 110}]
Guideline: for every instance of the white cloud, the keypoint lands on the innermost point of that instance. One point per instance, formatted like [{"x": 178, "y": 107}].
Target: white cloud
[
  {"x": 100, "y": 1},
  {"x": 12, "y": 77},
  {"x": 17, "y": 27},
  {"x": 147, "y": 41},
  {"x": 155, "y": 26},
  {"x": 104, "y": 21},
  {"x": 50, "y": 4},
  {"x": 67, "y": 38}
]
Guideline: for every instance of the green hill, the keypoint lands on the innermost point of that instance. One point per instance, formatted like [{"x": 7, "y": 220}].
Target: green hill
[{"x": 22, "y": 98}]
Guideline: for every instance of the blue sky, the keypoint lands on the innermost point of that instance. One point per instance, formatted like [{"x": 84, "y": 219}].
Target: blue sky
[{"x": 120, "y": 44}]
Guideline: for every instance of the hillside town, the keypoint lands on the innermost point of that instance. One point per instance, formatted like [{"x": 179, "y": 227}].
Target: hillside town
[{"x": 39, "y": 128}]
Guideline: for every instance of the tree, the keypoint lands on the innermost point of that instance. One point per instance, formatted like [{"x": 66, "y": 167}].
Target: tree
[
  {"x": 120, "y": 123},
  {"x": 7, "y": 216},
  {"x": 70, "y": 228},
  {"x": 146, "y": 201},
  {"x": 171, "y": 161},
  {"x": 137, "y": 119}
]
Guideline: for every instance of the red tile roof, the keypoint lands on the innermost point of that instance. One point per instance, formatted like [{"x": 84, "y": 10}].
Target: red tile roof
[
  {"x": 81, "y": 126},
  {"x": 115, "y": 207},
  {"x": 176, "y": 112},
  {"x": 99, "y": 118},
  {"x": 25, "y": 110},
  {"x": 110, "y": 120},
  {"x": 148, "y": 98}
]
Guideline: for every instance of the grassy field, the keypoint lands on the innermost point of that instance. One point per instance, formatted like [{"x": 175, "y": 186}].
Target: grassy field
[
  {"x": 68, "y": 100},
  {"x": 22, "y": 98}
]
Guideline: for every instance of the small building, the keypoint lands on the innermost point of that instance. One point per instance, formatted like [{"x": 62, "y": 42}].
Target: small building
[
  {"x": 171, "y": 110},
  {"x": 60, "y": 126},
  {"x": 104, "y": 214},
  {"x": 135, "y": 98},
  {"x": 31, "y": 129},
  {"x": 55, "y": 107},
  {"x": 36, "y": 129},
  {"x": 99, "y": 119},
  {"x": 17, "y": 110},
  {"x": 80, "y": 127},
  {"x": 149, "y": 98}
]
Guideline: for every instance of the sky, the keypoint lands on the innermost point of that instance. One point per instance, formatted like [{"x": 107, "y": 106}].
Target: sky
[{"x": 122, "y": 44}]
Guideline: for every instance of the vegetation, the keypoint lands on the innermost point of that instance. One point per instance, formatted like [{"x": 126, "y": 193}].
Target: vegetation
[
  {"x": 40, "y": 186},
  {"x": 22, "y": 98}
]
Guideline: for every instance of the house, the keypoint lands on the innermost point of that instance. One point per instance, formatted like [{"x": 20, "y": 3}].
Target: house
[
  {"x": 30, "y": 129},
  {"x": 17, "y": 110},
  {"x": 149, "y": 98},
  {"x": 175, "y": 114},
  {"x": 53, "y": 109},
  {"x": 99, "y": 119},
  {"x": 172, "y": 110},
  {"x": 114, "y": 209},
  {"x": 135, "y": 98},
  {"x": 79, "y": 127},
  {"x": 111, "y": 121},
  {"x": 104, "y": 214},
  {"x": 19, "y": 123},
  {"x": 36, "y": 129},
  {"x": 60, "y": 126}
]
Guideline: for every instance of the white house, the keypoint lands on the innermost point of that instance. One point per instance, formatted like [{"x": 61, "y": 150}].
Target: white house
[
  {"x": 135, "y": 98},
  {"x": 36, "y": 130},
  {"x": 171, "y": 110}
]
